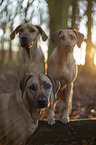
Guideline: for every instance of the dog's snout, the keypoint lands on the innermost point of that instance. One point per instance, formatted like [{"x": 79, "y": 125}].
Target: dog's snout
[
  {"x": 24, "y": 41},
  {"x": 24, "y": 37},
  {"x": 42, "y": 99},
  {"x": 68, "y": 45}
]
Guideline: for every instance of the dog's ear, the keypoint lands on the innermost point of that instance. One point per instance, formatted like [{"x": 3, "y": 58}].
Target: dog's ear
[
  {"x": 56, "y": 84},
  {"x": 14, "y": 32},
  {"x": 23, "y": 83},
  {"x": 80, "y": 38},
  {"x": 55, "y": 36},
  {"x": 43, "y": 34}
]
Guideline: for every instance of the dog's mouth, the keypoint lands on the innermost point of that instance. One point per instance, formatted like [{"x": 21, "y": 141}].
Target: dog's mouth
[
  {"x": 68, "y": 50},
  {"x": 41, "y": 105},
  {"x": 24, "y": 43},
  {"x": 24, "y": 40}
]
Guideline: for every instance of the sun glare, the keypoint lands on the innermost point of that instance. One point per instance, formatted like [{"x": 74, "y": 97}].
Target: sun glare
[
  {"x": 95, "y": 59},
  {"x": 79, "y": 54}
]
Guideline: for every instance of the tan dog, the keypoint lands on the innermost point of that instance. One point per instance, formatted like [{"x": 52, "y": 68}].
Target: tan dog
[
  {"x": 19, "y": 112},
  {"x": 31, "y": 58},
  {"x": 61, "y": 66}
]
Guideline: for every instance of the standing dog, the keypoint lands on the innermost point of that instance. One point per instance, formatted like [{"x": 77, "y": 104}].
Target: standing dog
[
  {"x": 61, "y": 66},
  {"x": 31, "y": 58},
  {"x": 19, "y": 112}
]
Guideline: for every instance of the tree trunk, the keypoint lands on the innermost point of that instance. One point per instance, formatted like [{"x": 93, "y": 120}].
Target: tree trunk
[
  {"x": 3, "y": 27},
  {"x": 58, "y": 11},
  {"x": 88, "y": 59},
  {"x": 3, "y": 51},
  {"x": 75, "y": 15},
  {"x": 10, "y": 44},
  {"x": 10, "y": 50}
]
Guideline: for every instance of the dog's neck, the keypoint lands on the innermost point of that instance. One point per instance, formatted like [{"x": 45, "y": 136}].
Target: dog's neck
[
  {"x": 62, "y": 56},
  {"x": 35, "y": 114}
]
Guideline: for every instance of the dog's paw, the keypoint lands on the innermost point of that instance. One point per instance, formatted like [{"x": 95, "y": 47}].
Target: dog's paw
[
  {"x": 65, "y": 120},
  {"x": 65, "y": 117},
  {"x": 51, "y": 121}
]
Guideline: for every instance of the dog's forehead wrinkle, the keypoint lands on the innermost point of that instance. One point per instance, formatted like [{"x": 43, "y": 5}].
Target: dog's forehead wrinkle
[
  {"x": 36, "y": 79},
  {"x": 27, "y": 26},
  {"x": 43, "y": 79},
  {"x": 32, "y": 80},
  {"x": 40, "y": 78},
  {"x": 68, "y": 32}
]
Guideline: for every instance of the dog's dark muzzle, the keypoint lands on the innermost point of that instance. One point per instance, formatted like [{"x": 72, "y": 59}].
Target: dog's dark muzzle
[
  {"x": 41, "y": 101},
  {"x": 68, "y": 47},
  {"x": 24, "y": 41}
]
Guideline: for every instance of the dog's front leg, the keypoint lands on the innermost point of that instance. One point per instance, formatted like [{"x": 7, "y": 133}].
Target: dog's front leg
[
  {"x": 50, "y": 117},
  {"x": 65, "y": 116}
]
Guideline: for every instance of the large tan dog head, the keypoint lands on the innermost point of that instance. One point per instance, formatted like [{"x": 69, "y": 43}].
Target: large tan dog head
[
  {"x": 28, "y": 34},
  {"x": 67, "y": 39},
  {"x": 37, "y": 88}
]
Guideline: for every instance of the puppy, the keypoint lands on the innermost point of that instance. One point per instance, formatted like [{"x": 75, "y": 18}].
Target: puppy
[
  {"x": 31, "y": 58},
  {"x": 61, "y": 66},
  {"x": 20, "y": 111}
]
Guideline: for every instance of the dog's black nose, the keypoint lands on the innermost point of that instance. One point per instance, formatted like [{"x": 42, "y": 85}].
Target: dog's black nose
[
  {"x": 24, "y": 41},
  {"x": 24, "y": 37},
  {"x": 42, "y": 101}
]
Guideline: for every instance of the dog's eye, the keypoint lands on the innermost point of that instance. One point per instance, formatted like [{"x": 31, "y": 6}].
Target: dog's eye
[
  {"x": 32, "y": 30},
  {"x": 46, "y": 85},
  {"x": 62, "y": 38},
  {"x": 72, "y": 37},
  {"x": 33, "y": 87},
  {"x": 20, "y": 30}
]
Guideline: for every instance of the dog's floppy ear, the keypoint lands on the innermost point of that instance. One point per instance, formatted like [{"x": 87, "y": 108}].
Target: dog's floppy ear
[
  {"x": 54, "y": 37},
  {"x": 80, "y": 38},
  {"x": 14, "y": 32},
  {"x": 23, "y": 83},
  {"x": 56, "y": 84},
  {"x": 43, "y": 34}
]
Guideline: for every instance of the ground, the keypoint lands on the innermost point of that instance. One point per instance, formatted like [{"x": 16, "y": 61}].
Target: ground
[{"x": 84, "y": 97}]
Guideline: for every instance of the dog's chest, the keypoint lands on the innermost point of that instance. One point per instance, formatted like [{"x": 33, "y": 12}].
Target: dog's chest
[
  {"x": 35, "y": 62},
  {"x": 35, "y": 65},
  {"x": 64, "y": 71},
  {"x": 32, "y": 126},
  {"x": 67, "y": 72}
]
